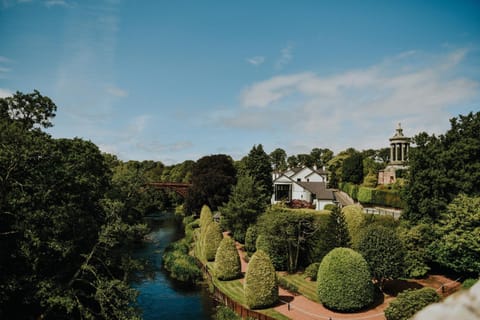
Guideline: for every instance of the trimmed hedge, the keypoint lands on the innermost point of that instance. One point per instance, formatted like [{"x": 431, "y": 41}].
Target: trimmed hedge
[
  {"x": 409, "y": 302},
  {"x": 356, "y": 220},
  {"x": 275, "y": 253},
  {"x": 211, "y": 240},
  {"x": 206, "y": 217},
  {"x": 344, "y": 281},
  {"x": 311, "y": 271},
  {"x": 250, "y": 239},
  {"x": 227, "y": 261},
  {"x": 365, "y": 195},
  {"x": 260, "y": 286}
]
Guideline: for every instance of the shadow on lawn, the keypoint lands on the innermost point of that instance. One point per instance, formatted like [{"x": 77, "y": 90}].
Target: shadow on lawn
[{"x": 394, "y": 287}]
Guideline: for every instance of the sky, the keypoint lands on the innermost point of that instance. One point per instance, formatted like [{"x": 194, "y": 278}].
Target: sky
[{"x": 177, "y": 80}]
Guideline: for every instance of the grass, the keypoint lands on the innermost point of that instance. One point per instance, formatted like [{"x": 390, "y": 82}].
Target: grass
[{"x": 305, "y": 287}]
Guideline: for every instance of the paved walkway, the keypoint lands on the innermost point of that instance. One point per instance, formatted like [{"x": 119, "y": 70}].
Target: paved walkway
[{"x": 297, "y": 307}]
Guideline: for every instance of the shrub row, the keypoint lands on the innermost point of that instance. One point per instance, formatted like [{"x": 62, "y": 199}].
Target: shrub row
[
  {"x": 409, "y": 302},
  {"x": 365, "y": 195}
]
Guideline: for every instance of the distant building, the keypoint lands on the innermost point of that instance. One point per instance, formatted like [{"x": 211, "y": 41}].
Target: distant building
[
  {"x": 303, "y": 184},
  {"x": 399, "y": 148}
]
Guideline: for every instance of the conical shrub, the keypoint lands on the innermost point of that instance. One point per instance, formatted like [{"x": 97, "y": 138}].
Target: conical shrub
[
  {"x": 260, "y": 286},
  {"x": 227, "y": 261},
  {"x": 211, "y": 240}
]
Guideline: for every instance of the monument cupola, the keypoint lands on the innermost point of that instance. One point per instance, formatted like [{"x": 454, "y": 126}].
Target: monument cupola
[{"x": 399, "y": 147}]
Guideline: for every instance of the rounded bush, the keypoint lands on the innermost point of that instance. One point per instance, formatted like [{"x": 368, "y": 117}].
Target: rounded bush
[
  {"x": 227, "y": 261},
  {"x": 311, "y": 271},
  {"x": 250, "y": 239},
  {"x": 211, "y": 240},
  {"x": 260, "y": 286},
  {"x": 344, "y": 281},
  {"x": 409, "y": 302}
]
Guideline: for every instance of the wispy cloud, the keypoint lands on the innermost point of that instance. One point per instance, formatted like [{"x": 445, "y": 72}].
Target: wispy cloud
[
  {"x": 57, "y": 3},
  {"x": 117, "y": 92},
  {"x": 285, "y": 56},
  {"x": 338, "y": 107},
  {"x": 256, "y": 61}
]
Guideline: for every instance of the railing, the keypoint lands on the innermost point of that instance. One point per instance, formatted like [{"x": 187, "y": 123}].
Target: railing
[{"x": 382, "y": 211}]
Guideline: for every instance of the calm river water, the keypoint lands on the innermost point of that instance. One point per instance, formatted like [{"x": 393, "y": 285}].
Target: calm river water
[{"x": 161, "y": 297}]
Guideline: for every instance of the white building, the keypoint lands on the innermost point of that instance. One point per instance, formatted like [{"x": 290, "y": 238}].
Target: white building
[{"x": 303, "y": 184}]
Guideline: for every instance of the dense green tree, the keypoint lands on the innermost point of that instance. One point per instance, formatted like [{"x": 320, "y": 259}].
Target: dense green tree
[
  {"x": 292, "y": 161},
  {"x": 257, "y": 165},
  {"x": 243, "y": 208},
  {"x": 305, "y": 160},
  {"x": 278, "y": 159},
  {"x": 383, "y": 251},
  {"x": 457, "y": 234},
  {"x": 352, "y": 169},
  {"x": 416, "y": 240},
  {"x": 212, "y": 180},
  {"x": 344, "y": 281},
  {"x": 227, "y": 261},
  {"x": 442, "y": 167},
  {"x": 410, "y": 302},
  {"x": 337, "y": 234},
  {"x": 260, "y": 286}
]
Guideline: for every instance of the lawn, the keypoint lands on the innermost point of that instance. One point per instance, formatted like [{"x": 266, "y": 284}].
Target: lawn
[{"x": 305, "y": 287}]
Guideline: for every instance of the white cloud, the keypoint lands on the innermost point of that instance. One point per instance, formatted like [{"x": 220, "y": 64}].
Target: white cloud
[
  {"x": 5, "y": 93},
  {"x": 285, "y": 56},
  {"x": 256, "y": 61},
  {"x": 358, "y": 107},
  {"x": 117, "y": 92},
  {"x": 52, "y": 3}
]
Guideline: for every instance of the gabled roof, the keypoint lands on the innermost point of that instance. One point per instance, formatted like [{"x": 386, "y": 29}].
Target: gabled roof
[{"x": 319, "y": 189}]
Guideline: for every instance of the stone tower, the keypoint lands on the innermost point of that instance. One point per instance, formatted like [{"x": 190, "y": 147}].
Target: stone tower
[{"x": 399, "y": 148}]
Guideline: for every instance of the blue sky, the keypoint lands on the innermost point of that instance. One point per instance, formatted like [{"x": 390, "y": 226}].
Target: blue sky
[{"x": 177, "y": 80}]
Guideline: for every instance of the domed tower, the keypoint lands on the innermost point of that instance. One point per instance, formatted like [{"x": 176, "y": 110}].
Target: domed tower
[{"x": 399, "y": 148}]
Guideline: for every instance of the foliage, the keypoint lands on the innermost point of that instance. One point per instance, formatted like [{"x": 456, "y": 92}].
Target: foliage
[
  {"x": 355, "y": 219},
  {"x": 278, "y": 160},
  {"x": 206, "y": 217},
  {"x": 260, "y": 286},
  {"x": 243, "y": 207},
  {"x": 227, "y": 261},
  {"x": 352, "y": 168},
  {"x": 409, "y": 302},
  {"x": 457, "y": 234},
  {"x": 416, "y": 240},
  {"x": 337, "y": 232},
  {"x": 311, "y": 271},
  {"x": 64, "y": 241},
  {"x": 443, "y": 167},
  {"x": 468, "y": 283},
  {"x": 344, "y": 281},
  {"x": 180, "y": 264},
  {"x": 273, "y": 250},
  {"x": 329, "y": 207},
  {"x": 257, "y": 166},
  {"x": 383, "y": 251},
  {"x": 211, "y": 240},
  {"x": 374, "y": 196},
  {"x": 290, "y": 287},
  {"x": 212, "y": 179},
  {"x": 251, "y": 239},
  {"x": 225, "y": 313}
]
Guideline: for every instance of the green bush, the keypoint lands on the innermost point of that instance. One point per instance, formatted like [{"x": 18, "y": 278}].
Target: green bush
[
  {"x": 227, "y": 261},
  {"x": 468, "y": 283},
  {"x": 250, "y": 239},
  {"x": 375, "y": 196},
  {"x": 179, "y": 264},
  {"x": 211, "y": 240},
  {"x": 260, "y": 286},
  {"x": 355, "y": 219},
  {"x": 277, "y": 256},
  {"x": 311, "y": 271},
  {"x": 206, "y": 217},
  {"x": 409, "y": 302},
  {"x": 329, "y": 207},
  {"x": 285, "y": 284},
  {"x": 344, "y": 281},
  {"x": 225, "y": 313}
]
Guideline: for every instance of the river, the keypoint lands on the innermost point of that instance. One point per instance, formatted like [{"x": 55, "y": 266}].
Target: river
[{"x": 160, "y": 296}]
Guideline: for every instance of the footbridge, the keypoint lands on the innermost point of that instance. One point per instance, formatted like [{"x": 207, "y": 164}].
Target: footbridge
[{"x": 179, "y": 188}]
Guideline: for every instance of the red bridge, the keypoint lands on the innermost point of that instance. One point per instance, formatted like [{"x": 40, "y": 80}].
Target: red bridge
[{"x": 180, "y": 188}]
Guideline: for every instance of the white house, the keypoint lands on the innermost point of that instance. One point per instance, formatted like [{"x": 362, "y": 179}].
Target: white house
[{"x": 303, "y": 184}]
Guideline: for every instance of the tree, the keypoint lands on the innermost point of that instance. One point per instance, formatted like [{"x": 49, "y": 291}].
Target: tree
[
  {"x": 352, "y": 170},
  {"x": 443, "y": 167},
  {"x": 278, "y": 160},
  {"x": 321, "y": 156},
  {"x": 344, "y": 281},
  {"x": 383, "y": 251},
  {"x": 337, "y": 230},
  {"x": 305, "y": 160},
  {"x": 410, "y": 302},
  {"x": 293, "y": 161},
  {"x": 243, "y": 208},
  {"x": 260, "y": 286},
  {"x": 227, "y": 261},
  {"x": 212, "y": 180},
  {"x": 257, "y": 165},
  {"x": 416, "y": 240},
  {"x": 457, "y": 234}
]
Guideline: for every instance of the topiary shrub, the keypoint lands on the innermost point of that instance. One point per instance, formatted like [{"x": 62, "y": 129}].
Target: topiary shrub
[
  {"x": 277, "y": 256},
  {"x": 250, "y": 239},
  {"x": 344, "y": 281},
  {"x": 409, "y": 302},
  {"x": 355, "y": 219},
  {"x": 211, "y": 241},
  {"x": 311, "y": 271},
  {"x": 227, "y": 261},
  {"x": 260, "y": 286},
  {"x": 206, "y": 217}
]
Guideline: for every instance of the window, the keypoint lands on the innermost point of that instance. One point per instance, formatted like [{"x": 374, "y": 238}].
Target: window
[{"x": 283, "y": 192}]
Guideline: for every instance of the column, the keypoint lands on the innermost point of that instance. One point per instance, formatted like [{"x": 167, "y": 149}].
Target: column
[
  {"x": 402, "y": 158},
  {"x": 391, "y": 152}
]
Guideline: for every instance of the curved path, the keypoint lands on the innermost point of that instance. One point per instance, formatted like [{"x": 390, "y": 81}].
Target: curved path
[{"x": 297, "y": 307}]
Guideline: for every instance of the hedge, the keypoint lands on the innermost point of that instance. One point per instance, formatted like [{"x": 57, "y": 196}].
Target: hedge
[
  {"x": 409, "y": 302},
  {"x": 211, "y": 240},
  {"x": 227, "y": 261},
  {"x": 250, "y": 239},
  {"x": 206, "y": 217},
  {"x": 344, "y": 282},
  {"x": 365, "y": 195},
  {"x": 260, "y": 286},
  {"x": 311, "y": 271}
]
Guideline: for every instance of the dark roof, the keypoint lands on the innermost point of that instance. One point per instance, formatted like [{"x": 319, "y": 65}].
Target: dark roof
[{"x": 319, "y": 189}]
